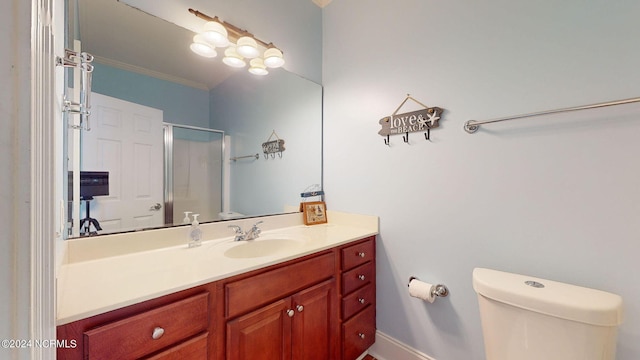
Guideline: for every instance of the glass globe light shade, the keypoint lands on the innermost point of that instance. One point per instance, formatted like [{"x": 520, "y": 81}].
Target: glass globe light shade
[
  {"x": 257, "y": 67},
  {"x": 232, "y": 58},
  {"x": 247, "y": 47},
  {"x": 215, "y": 33},
  {"x": 202, "y": 48},
  {"x": 273, "y": 58}
]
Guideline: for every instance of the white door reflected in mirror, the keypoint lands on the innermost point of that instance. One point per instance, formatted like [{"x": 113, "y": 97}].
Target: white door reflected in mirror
[{"x": 126, "y": 140}]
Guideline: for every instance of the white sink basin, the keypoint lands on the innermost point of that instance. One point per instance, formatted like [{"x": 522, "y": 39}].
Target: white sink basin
[{"x": 260, "y": 248}]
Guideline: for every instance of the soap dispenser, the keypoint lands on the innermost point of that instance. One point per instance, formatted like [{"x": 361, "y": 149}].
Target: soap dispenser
[
  {"x": 195, "y": 234},
  {"x": 186, "y": 219}
]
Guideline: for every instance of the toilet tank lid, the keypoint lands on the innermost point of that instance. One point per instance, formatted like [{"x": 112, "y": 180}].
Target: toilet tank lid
[{"x": 555, "y": 298}]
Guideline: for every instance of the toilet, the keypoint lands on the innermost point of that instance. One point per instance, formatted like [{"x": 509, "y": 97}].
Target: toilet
[{"x": 526, "y": 318}]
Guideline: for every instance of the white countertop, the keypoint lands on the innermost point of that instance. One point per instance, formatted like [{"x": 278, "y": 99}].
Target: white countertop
[{"x": 89, "y": 284}]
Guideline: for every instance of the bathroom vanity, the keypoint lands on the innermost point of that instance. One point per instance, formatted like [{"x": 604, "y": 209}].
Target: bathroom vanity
[{"x": 312, "y": 300}]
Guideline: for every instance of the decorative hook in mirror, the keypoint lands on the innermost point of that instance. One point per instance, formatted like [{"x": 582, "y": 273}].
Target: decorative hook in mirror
[
  {"x": 414, "y": 121},
  {"x": 273, "y": 147}
]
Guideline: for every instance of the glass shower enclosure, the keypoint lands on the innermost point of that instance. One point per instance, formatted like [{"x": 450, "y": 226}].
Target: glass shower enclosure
[{"x": 193, "y": 173}]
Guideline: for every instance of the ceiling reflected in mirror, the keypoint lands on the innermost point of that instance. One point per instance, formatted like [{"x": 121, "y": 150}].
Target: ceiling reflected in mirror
[{"x": 145, "y": 44}]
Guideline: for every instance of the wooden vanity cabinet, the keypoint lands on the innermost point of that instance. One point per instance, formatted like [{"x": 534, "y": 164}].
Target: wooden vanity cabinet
[
  {"x": 175, "y": 326},
  {"x": 320, "y": 306},
  {"x": 301, "y": 324},
  {"x": 357, "y": 294},
  {"x": 150, "y": 331},
  {"x": 297, "y": 327},
  {"x": 195, "y": 348}
]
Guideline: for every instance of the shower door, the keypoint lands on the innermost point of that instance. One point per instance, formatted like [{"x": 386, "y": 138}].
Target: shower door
[{"x": 193, "y": 172}]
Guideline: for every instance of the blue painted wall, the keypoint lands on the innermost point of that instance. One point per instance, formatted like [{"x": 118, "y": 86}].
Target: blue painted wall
[
  {"x": 556, "y": 197},
  {"x": 181, "y": 104},
  {"x": 249, "y": 108}
]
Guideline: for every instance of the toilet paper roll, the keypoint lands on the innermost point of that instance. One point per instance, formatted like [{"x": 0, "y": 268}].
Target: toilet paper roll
[{"x": 422, "y": 290}]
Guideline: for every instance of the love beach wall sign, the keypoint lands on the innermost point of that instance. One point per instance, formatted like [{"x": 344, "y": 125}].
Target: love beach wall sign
[{"x": 422, "y": 120}]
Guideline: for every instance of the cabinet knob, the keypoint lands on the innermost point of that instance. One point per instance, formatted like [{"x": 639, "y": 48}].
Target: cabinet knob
[
  {"x": 290, "y": 313},
  {"x": 361, "y": 335},
  {"x": 361, "y": 277},
  {"x": 362, "y": 254},
  {"x": 299, "y": 308},
  {"x": 157, "y": 333},
  {"x": 362, "y": 301}
]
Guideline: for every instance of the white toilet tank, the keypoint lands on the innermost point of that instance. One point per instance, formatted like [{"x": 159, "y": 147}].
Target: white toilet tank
[{"x": 526, "y": 318}]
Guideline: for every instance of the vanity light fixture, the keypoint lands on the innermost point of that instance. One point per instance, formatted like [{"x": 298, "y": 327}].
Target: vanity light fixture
[
  {"x": 247, "y": 47},
  {"x": 257, "y": 67},
  {"x": 232, "y": 58},
  {"x": 273, "y": 57},
  {"x": 217, "y": 33},
  {"x": 201, "y": 47}
]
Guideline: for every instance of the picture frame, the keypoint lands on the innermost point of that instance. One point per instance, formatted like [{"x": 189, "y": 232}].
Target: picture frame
[{"x": 314, "y": 212}]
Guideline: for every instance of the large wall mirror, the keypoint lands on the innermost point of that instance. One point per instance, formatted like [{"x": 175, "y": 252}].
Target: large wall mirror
[{"x": 174, "y": 132}]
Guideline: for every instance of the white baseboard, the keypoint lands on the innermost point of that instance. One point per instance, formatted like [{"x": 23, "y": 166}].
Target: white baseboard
[{"x": 388, "y": 348}]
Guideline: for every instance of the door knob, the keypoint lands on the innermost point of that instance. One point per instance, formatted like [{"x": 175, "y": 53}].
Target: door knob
[
  {"x": 155, "y": 207},
  {"x": 290, "y": 313},
  {"x": 299, "y": 308}
]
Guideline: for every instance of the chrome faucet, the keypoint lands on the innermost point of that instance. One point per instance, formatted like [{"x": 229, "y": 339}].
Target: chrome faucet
[
  {"x": 253, "y": 233},
  {"x": 240, "y": 235}
]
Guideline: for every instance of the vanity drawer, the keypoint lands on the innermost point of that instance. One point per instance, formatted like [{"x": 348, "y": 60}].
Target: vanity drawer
[
  {"x": 358, "y": 334},
  {"x": 357, "y": 277},
  {"x": 357, "y": 301},
  {"x": 357, "y": 254},
  {"x": 192, "y": 349},
  {"x": 247, "y": 294},
  {"x": 132, "y": 337}
]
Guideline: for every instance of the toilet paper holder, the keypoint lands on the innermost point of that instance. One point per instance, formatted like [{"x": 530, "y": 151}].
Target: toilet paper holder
[{"x": 439, "y": 290}]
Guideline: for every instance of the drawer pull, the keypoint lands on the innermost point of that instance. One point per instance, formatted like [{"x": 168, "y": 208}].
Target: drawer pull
[
  {"x": 362, "y": 301},
  {"x": 361, "y": 335},
  {"x": 361, "y": 277},
  {"x": 362, "y": 254},
  {"x": 157, "y": 333},
  {"x": 290, "y": 313},
  {"x": 299, "y": 308}
]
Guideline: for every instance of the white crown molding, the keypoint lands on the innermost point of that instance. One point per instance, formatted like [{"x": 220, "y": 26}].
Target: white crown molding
[{"x": 155, "y": 74}]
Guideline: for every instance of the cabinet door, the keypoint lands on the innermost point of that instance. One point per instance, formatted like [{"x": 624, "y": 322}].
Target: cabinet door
[
  {"x": 313, "y": 323},
  {"x": 263, "y": 334}
]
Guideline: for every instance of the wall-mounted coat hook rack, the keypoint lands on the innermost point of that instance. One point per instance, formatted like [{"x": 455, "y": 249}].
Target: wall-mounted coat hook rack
[
  {"x": 271, "y": 147},
  {"x": 420, "y": 120}
]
